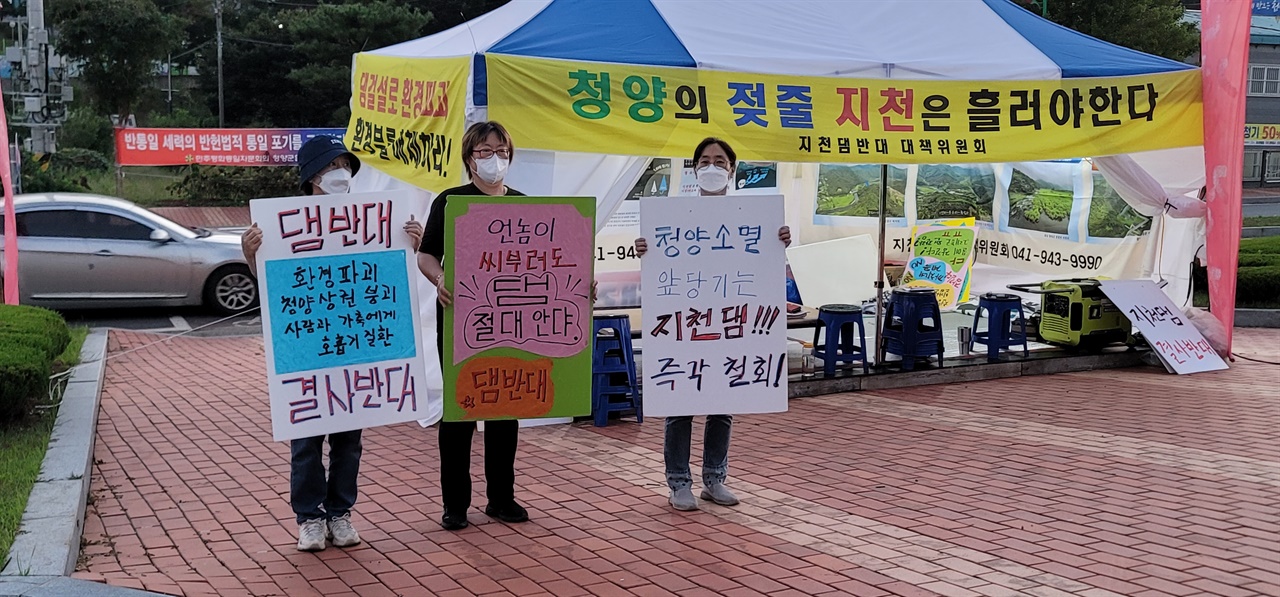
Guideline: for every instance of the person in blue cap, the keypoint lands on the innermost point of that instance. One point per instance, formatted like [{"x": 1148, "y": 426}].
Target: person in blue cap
[{"x": 323, "y": 506}]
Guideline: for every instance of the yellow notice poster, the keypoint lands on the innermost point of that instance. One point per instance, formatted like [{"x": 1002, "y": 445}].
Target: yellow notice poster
[
  {"x": 407, "y": 117},
  {"x": 642, "y": 110}
]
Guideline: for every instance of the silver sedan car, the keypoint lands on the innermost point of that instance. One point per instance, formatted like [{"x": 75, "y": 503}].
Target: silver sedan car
[{"x": 90, "y": 251}]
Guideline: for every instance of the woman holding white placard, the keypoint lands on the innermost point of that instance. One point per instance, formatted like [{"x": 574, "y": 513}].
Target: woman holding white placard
[
  {"x": 715, "y": 163},
  {"x": 322, "y": 506}
]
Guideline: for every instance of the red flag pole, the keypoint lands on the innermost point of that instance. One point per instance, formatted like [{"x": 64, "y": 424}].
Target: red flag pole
[
  {"x": 1224, "y": 48},
  {"x": 10, "y": 220}
]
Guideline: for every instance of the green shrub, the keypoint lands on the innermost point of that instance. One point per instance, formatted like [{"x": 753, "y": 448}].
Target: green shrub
[
  {"x": 86, "y": 129},
  {"x": 24, "y": 376},
  {"x": 1258, "y": 260},
  {"x": 30, "y": 339},
  {"x": 220, "y": 185},
  {"x": 44, "y": 344},
  {"x": 1261, "y": 246},
  {"x": 1257, "y": 285},
  {"x": 47, "y": 327},
  {"x": 39, "y": 176},
  {"x": 23, "y": 313},
  {"x": 1257, "y": 221},
  {"x": 75, "y": 161}
]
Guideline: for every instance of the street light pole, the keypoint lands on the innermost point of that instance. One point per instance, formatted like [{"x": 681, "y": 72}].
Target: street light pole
[{"x": 217, "y": 13}]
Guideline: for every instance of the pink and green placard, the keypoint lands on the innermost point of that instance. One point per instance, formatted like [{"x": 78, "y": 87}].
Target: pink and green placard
[{"x": 517, "y": 340}]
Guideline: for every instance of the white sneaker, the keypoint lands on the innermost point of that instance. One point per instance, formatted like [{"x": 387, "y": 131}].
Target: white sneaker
[
  {"x": 311, "y": 535},
  {"x": 343, "y": 534}
]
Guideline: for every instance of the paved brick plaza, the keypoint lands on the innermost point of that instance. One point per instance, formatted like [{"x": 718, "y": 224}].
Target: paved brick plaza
[{"x": 1128, "y": 482}]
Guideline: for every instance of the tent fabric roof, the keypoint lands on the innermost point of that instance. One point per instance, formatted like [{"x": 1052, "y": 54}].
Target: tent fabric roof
[
  {"x": 898, "y": 39},
  {"x": 633, "y": 32}
]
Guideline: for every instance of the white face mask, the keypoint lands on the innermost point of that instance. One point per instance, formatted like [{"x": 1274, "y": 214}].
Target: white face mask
[
  {"x": 492, "y": 169},
  {"x": 335, "y": 182},
  {"x": 713, "y": 179}
]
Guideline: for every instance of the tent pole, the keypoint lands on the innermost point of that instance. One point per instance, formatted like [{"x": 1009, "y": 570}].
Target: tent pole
[{"x": 879, "y": 283}]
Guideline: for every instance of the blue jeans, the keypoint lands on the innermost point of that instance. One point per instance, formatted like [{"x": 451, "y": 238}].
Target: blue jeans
[
  {"x": 715, "y": 450},
  {"x": 310, "y": 494}
]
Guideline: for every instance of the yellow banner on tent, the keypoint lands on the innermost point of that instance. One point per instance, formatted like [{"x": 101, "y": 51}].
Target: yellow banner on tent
[
  {"x": 643, "y": 110},
  {"x": 408, "y": 115}
]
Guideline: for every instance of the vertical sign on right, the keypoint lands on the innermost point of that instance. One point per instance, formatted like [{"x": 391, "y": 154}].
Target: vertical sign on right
[
  {"x": 713, "y": 319},
  {"x": 1179, "y": 344}
]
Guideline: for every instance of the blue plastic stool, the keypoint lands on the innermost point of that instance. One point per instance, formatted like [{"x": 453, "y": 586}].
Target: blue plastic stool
[
  {"x": 1002, "y": 311},
  {"x": 613, "y": 370},
  {"x": 905, "y": 332},
  {"x": 838, "y": 321}
]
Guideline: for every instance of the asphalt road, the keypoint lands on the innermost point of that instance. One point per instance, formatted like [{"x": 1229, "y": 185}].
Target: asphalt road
[{"x": 187, "y": 321}]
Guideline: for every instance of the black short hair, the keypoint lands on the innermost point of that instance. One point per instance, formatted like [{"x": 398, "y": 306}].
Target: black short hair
[{"x": 708, "y": 142}]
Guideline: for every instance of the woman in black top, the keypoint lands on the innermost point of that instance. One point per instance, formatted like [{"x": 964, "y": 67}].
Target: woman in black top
[{"x": 486, "y": 152}]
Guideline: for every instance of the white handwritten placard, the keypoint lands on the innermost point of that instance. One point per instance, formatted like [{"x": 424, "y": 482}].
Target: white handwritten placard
[
  {"x": 713, "y": 306},
  {"x": 1179, "y": 344},
  {"x": 340, "y": 322}
]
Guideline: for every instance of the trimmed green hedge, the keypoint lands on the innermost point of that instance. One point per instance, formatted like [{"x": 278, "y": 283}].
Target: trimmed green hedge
[
  {"x": 1258, "y": 260},
  {"x": 30, "y": 339},
  {"x": 1258, "y": 276},
  {"x": 1257, "y": 285},
  {"x": 1266, "y": 245}
]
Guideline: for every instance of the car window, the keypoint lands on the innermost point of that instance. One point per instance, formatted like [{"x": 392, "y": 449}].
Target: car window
[{"x": 67, "y": 223}]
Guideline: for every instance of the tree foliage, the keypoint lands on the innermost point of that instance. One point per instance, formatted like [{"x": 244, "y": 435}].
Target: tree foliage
[
  {"x": 1151, "y": 26},
  {"x": 329, "y": 35},
  {"x": 292, "y": 67},
  {"x": 118, "y": 42},
  {"x": 231, "y": 185}
]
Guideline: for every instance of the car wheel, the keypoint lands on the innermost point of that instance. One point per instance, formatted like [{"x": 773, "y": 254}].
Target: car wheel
[{"x": 231, "y": 290}]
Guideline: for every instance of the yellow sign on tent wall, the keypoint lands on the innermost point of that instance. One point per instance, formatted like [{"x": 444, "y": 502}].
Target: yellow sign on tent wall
[
  {"x": 648, "y": 110},
  {"x": 407, "y": 117}
]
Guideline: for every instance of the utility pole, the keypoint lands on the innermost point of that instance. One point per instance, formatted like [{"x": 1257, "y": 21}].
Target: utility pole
[
  {"x": 168, "y": 71},
  {"x": 36, "y": 64},
  {"x": 217, "y": 13}
]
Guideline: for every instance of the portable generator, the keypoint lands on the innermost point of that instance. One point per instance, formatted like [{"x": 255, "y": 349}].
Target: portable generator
[{"x": 1075, "y": 312}]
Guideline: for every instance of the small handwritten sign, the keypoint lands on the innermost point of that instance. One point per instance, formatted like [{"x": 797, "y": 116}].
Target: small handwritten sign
[
  {"x": 714, "y": 291},
  {"x": 518, "y": 336},
  {"x": 339, "y": 310},
  {"x": 1179, "y": 344},
  {"x": 940, "y": 259}
]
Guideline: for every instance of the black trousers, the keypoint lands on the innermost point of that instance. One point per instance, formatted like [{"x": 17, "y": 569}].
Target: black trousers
[{"x": 500, "y": 439}]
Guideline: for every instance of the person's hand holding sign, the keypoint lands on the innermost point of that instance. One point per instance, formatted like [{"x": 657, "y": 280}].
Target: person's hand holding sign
[
  {"x": 414, "y": 229},
  {"x": 250, "y": 242},
  {"x": 442, "y": 293}
]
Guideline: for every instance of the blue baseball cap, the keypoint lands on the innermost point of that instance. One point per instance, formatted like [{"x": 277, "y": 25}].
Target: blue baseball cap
[{"x": 318, "y": 152}]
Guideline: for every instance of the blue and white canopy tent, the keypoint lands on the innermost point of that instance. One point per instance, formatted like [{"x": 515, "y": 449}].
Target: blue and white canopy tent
[{"x": 908, "y": 40}]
